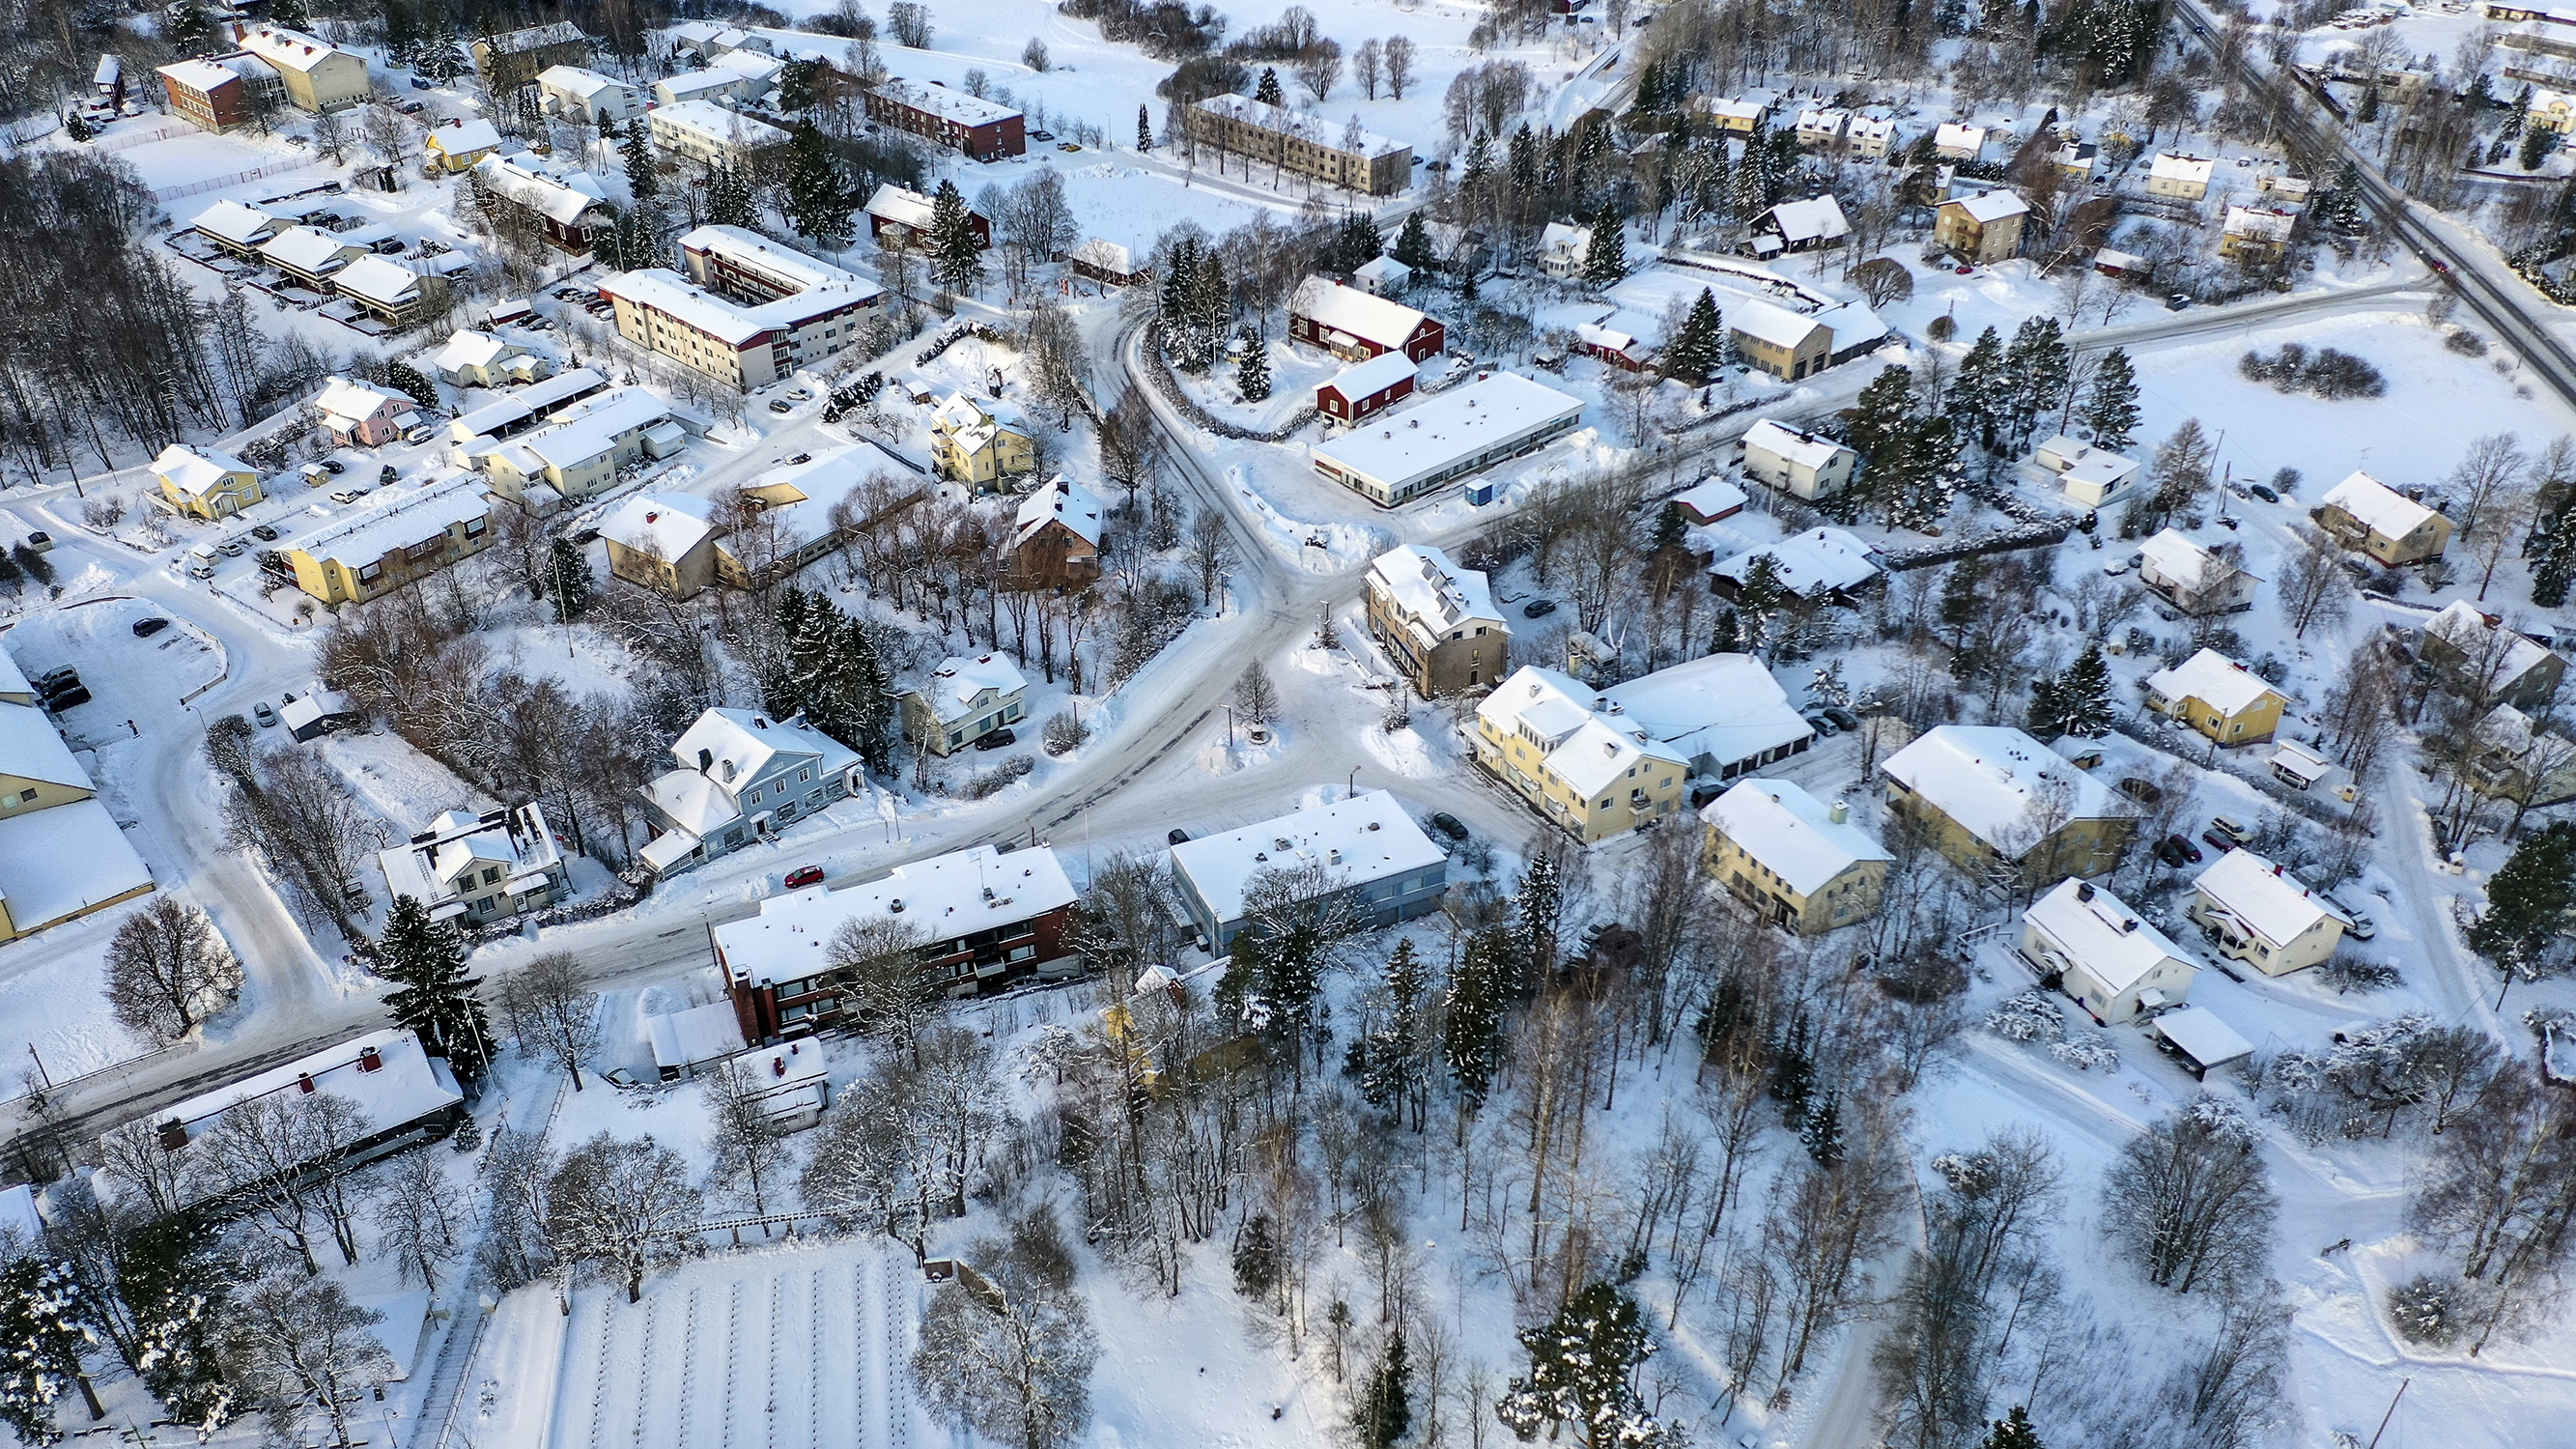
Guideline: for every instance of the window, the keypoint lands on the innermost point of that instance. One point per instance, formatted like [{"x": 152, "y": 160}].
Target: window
[{"x": 491, "y": 874}]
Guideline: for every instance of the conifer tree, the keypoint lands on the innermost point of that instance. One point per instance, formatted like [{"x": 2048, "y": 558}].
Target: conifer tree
[
  {"x": 1413, "y": 243},
  {"x": 2036, "y": 370},
  {"x": 2553, "y": 560},
  {"x": 1605, "y": 264},
  {"x": 2528, "y": 899},
  {"x": 2111, "y": 409},
  {"x": 1692, "y": 353},
  {"x": 1980, "y": 390},
  {"x": 1144, "y": 130},
  {"x": 1471, "y": 1041},
  {"x": 1391, "y": 1056},
  {"x": 1583, "y": 1376},
  {"x": 2077, "y": 702},
  {"x": 1963, "y": 598},
  {"x": 636, "y": 147},
  {"x": 568, "y": 581},
  {"x": 1727, "y": 636},
  {"x": 1878, "y": 426},
  {"x": 1479, "y": 165},
  {"x": 1268, "y": 91},
  {"x": 1256, "y": 1259},
  {"x": 1252, "y": 374},
  {"x": 956, "y": 260},
  {"x": 729, "y": 200},
  {"x": 1930, "y": 478},
  {"x": 1822, "y": 1132},
  {"x": 1793, "y": 1068},
  {"x": 2013, "y": 1431},
  {"x": 1385, "y": 1410},
  {"x": 44, "y": 1331},
  {"x": 1361, "y": 242},
  {"x": 175, "y": 1288},
  {"x": 407, "y": 380},
  {"x": 819, "y": 202},
  {"x": 432, "y": 995},
  {"x": 1540, "y": 902}
]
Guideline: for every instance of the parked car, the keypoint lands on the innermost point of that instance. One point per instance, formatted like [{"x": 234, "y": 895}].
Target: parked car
[
  {"x": 334, "y": 467},
  {"x": 1840, "y": 716},
  {"x": 347, "y": 495},
  {"x": 2231, "y": 827},
  {"x": 1067, "y": 146},
  {"x": 797, "y": 394},
  {"x": 1823, "y": 727},
  {"x": 2223, "y": 844},
  {"x": 2116, "y": 567},
  {"x": 41, "y": 541},
  {"x": 803, "y": 876},
  {"x": 53, "y": 680},
  {"x": 1176, "y": 836},
  {"x": 420, "y": 83},
  {"x": 1449, "y": 825},
  {"x": 76, "y": 695},
  {"x": 2263, "y": 491},
  {"x": 2177, "y": 302},
  {"x": 1538, "y": 608},
  {"x": 262, "y": 713},
  {"x": 230, "y": 548},
  {"x": 997, "y": 739},
  {"x": 2174, "y": 850},
  {"x": 146, "y": 628},
  {"x": 2356, "y": 924},
  {"x": 263, "y": 533},
  {"x": 1041, "y": 135},
  {"x": 416, "y": 435},
  {"x": 781, "y": 405}
]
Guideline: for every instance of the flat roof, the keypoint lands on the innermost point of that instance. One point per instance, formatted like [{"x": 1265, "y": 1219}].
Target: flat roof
[
  {"x": 1398, "y": 449},
  {"x": 1366, "y": 837}
]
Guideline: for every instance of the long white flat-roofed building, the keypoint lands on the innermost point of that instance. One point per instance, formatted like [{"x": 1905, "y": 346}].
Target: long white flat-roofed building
[
  {"x": 709, "y": 134},
  {"x": 1366, "y": 845},
  {"x": 748, "y": 312},
  {"x": 1399, "y": 456}
]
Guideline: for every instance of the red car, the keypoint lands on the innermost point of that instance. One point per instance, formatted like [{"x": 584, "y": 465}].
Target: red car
[
  {"x": 803, "y": 876},
  {"x": 2222, "y": 842}
]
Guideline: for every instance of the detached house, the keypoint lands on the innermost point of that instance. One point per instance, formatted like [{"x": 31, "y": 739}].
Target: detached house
[
  {"x": 1982, "y": 228},
  {"x": 2092, "y": 477},
  {"x": 2366, "y": 514},
  {"x": 480, "y": 359},
  {"x": 2255, "y": 912},
  {"x": 2102, "y": 953},
  {"x": 963, "y": 701},
  {"x": 979, "y": 442},
  {"x": 2218, "y": 697},
  {"x": 1366, "y": 389},
  {"x": 1355, "y": 326},
  {"x": 2194, "y": 579},
  {"x": 209, "y": 485},
  {"x": 1366, "y": 844},
  {"x": 1798, "y": 862},
  {"x": 1576, "y": 761},
  {"x": 742, "y": 776},
  {"x": 1991, "y": 797},
  {"x": 1956, "y": 141},
  {"x": 1436, "y": 620},
  {"x": 2184, "y": 178},
  {"x": 478, "y": 868},
  {"x": 899, "y": 216},
  {"x": 2473, "y": 655},
  {"x": 1562, "y": 246},
  {"x": 2255, "y": 233},
  {"x": 362, "y": 415},
  {"x": 1108, "y": 262},
  {"x": 669, "y": 543},
  {"x": 457, "y": 145},
  {"x": 568, "y": 203},
  {"x": 62, "y": 854},
  {"x": 1808, "y": 465},
  {"x": 1055, "y": 540},
  {"x": 317, "y": 75},
  {"x": 1800, "y": 226}
]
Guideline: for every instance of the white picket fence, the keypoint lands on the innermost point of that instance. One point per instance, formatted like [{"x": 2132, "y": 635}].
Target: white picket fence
[{"x": 217, "y": 183}]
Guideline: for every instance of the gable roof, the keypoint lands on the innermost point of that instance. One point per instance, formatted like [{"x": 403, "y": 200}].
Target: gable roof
[
  {"x": 954, "y": 686},
  {"x": 1817, "y": 219},
  {"x": 560, "y": 196},
  {"x": 1108, "y": 256},
  {"x": 1588, "y": 747},
  {"x": 1791, "y": 833},
  {"x": 378, "y": 279},
  {"x": 2105, "y": 937},
  {"x": 1809, "y": 450},
  {"x": 1819, "y": 560},
  {"x": 1369, "y": 836},
  {"x": 193, "y": 472},
  {"x": 2176, "y": 556},
  {"x": 2378, "y": 507},
  {"x": 1719, "y": 707},
  {"x": 1303, "y": 125},
  {"x": 32, "y": 749},
  {"x": 748, "y": 740},
  {"x": 464, "y": 138},
  {"x": 1368, "y": 379},
  {"x": 2262, "y": 897},
  {"x": 237, "y": 222},
  {"x": 947, "y": 896},
  {"x": 1371, "y": 318},
  {"x": 2176, "y": 166},
  {"x": 1778, "y": 326},
  {"x": 474, "y": 349},
  {"x": 347, "y": 399},
  {"x": 305, "y": 248},
  {"x": 901, "y": 205},
  {"x": 2462, "y": 626},
  {"x": 1060, "y": 501},
  {"x": 292, "y": 49},
  {"x": 2214, "y": 680},
  {"x": 665, "y": 525},
  {"x": 1986, "y": 778},
  {"x": 573, "y": 80},
  {"x": 1988, "y": 207}
]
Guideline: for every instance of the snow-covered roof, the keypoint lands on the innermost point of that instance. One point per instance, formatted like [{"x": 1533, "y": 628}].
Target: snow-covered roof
[
  {"x": 1589, "y": 744},
  {"x": 2101, "y": 935},
  {"x": 714, "y": 123},
  {"x": 1764, "y": 322},
  {"x": 560, "y": 195},
  {"x": 1988, "y": 207},
  {"x": 1792, "y": 833},
  {"x": 524, "y": 403},
  {"x": 1954, "y": 136},
  {"x": 817, "y": 287},
  {"x": 1365, "y": 837},
  {"x": 1852, "y": 324},
  {"x": 13, "y": 680},
  {"x": 1737, "y": 108},
  {"x": 748, "y": 65},
  {"x": 1988, "y": 777},
  {"x": 1825, "y": 118},
  {"x": 1364, "y": 315},
  {"x": 2259, "y": 221},
  {"x": 464, "y": 138},
  {"x": 946, "y": 897},
  {"x": 408, "y": 521},
  {"x": 32, "y": 749},
  {"x": 1308, "y": 127},
  {"x": 535, "y": 37},
  {"x": 435, "y": 866},
  {"x": 1565, "y": 237},
  {"x": 2200, "y": 1035},
  {"x": 818, "y": 486},
  {"x": 1063, "y": 501},
  {"x": 403, "y": 1085},
  {"x": 1870, "y": 127},
  {"x": 1108, "y": 256},
  {"x": 2303, "y": 761},
  {"x": 312, "y": 704},
  {"x": 235, "y": 221},
  {"x": 682, "y": 1039},
  {"x": 1711, "y": 498},
  {"x": 1719, "y": 707},
  {"x": 1810, "y": 563},
  {"x": 2262, "y": 897},
  {"x": 746, "y": 740},
  {"x": 1808, "y": 450},
  {"x": 473, "y": 349},
  {"x": 901, "y": 205},
  {"x": 1818, "y": 219},
  {"x": 193, "y": 472},
  {"x": 306, "y": 249},
  {"x": 697, "y": 85},
  {"x": 2175, "y": 556},
  {"x": 573, "y": 80},
  {"x": 2176, "y": 166},
  {"x": 1605, "y": 339},
  {"x": 292, "y": 49},
  {"x": 2378, "y": 507},
  {"x": 954, "y": 687},
  {"x": 1367, "y": 379},
  {"x": 345, "y": 402},
  {"x": 1435, "y": 435},
  {"x": 62, "y": 860},
  {"x": 19, "y": 1218},
  {"x": 207, "y": 76},
  {"x": 665, "y": 525},
  {"x": 2464, "y": 628},
  {"x": 946, "y": 104},
  {"x": 1385, "y": 271},
  {"x": 2099, "y": 470},
  {"x": 1426, "y": 585},
  {"x": 2213, "y": 679}
]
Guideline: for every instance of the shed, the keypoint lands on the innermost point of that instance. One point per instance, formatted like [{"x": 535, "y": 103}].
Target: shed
[
  {"x": 2194, "y": 1036},
  {"x": 685, "y": 1040},
  {"x": 316, "y": 712}
]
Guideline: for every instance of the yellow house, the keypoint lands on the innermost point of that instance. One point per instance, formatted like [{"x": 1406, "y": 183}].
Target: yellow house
[
  {"x": 979, "y": 443},
  {"x": 1993, "y": 799},
  {"x": 208, "y": 485},
  {"x": 318, "y": 75},
  {"x": 1983, "y": 228},
  {"x": 1585, "y": 769},
  {"x": 1799, "y": 862},
  {"x": 2255, "y": 912},
  {"x": 2218, "y": 697},
  {"x": 62, "y": 855},
  {"x": 670, "y": 543},
  {"x": 354, "y": 559},
  {"x": 2364, "y": 513},
  {"x": 457, "y": 145}
]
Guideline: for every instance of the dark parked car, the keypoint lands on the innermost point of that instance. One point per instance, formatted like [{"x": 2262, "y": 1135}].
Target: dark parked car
[
  {"x": 2177, "y": 302},
  {"x": 77, "y": 694},
  {"x": 263, "y": 533},
  {"x": 53, "y": 680},
  {"x": 997, "y": 739},
  {"x": 1842, "y": 718},
  {"x": 1449, "y": 825},
  {"x": 1176, "y": 836},
  {"x": 2263, "y": 491},
  {"x": 334, "y": 467},
  {"x": 2174, "y": 850},
  {"x": 2222, "y": 842},
  {"x": 146, "y": 628},
  {"x": 803, "y": 876},
  {"x": 1538, "y": 608}
]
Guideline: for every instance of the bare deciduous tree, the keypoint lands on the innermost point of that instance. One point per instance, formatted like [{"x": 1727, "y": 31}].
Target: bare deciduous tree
[
  {"x": 168, "y": 970},
  {"x": 551, "y": 1013},
  {"x": 617, "y": 1208},
  {"x": 2189, "y": 1201},
  {"x": 296, "y": 1347},
  {"x": 1009, "y": 1351}
]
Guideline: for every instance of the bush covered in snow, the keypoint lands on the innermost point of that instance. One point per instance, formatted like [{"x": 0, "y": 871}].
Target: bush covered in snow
[
  {"x": 990, "y": 782},
  {"x": 2348, "y": 974},
  {"x": 2326, "y": 373},
  {"x": 1064, "y": 733},
  {"x": 2026, "y": 1016},
  {"x": 2088, "y": 1050},
  {"x": 2426, "y": 1310}
]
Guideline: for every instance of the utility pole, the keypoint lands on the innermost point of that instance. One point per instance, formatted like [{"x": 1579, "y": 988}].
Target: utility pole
[{"x": 2392, "y": 1411}]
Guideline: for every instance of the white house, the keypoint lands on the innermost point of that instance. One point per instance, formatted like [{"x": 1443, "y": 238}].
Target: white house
[
  {"x": 963, "y": 701},
  {"x": 400, "y": 1093},
  {"x": 1366, "y": 849},
  {"x": 2108, "y": 959},
  {"x": 1724, "y": 713},
  {"x": 2182, "y": 177},
  {"x": 709, "y": 134},
  {"x": 478, "y": 868},
  {"x": 1810, "y": 465},
  {"x": 2256, "y": 912},
  {"x": 1957, "y": 142},
  {"x": 1871, "y": 135},
  {"x": 586, "y": 96},
  {"x": 1562, "y": 248},
  {"x": 2091, "y": 477},
  {"x": 741, "y": 776},
  {"x": 2194, "y": 579},
  {"x": 1821, "y": 563},
  {"x": 1382, "y": 277},
  {"x": 1822, "y": 126}
]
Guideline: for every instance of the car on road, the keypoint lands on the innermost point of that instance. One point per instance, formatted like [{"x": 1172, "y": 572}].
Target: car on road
[
  {"x": 347, "y": 495},
  {"x": 2174, "y": 850},
  {"x": 803, "y": 876},
  {"x": 262, "y": 713},
  {"x": 263, "y": 533},
  {"x": 1449, "y": 825},
  {"x": 2177, "y": 302},
  {"x": 998, "y": 739},
  {"x": 2438, "y": 265},
  {"x": 2263, "y": 491},
  {"x": 146, "y": 628},
  {"x": 1176, "y": 836},
  {"x": 781, "y": 405},
  {"x": 1538, "y": 608}
]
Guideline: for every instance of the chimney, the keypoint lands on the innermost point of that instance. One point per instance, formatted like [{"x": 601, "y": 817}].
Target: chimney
[
  {"x": 2083, "y": 890},
  {"x": 174, "y": 1135},
  {"x": 369, "y": 1060},
  {"x": 304, "y": 1083},
  {"x": 1839, "y": 812}
]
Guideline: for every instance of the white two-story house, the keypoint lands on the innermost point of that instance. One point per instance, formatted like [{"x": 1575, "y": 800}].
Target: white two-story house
[{"x": 742, "y": 776}]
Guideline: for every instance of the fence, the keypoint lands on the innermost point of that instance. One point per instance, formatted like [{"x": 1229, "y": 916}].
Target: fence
[
  {"x": 217, "y": 183},
  {"x": 128, "y": 143},
  {"x": 1160, "y": 373}
]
